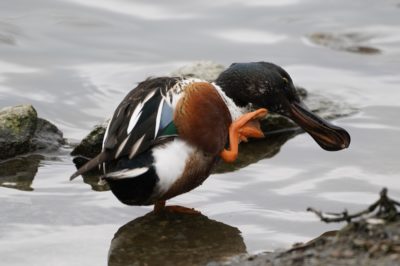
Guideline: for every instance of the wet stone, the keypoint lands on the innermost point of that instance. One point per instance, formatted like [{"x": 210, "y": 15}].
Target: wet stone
[
  {"x": 341, "y": 250},
  {"x": 153, "y": 240},
  {"x": 17, "y": 126},
  {"x": 349, "y": 42},
  {"x": 277, "y": 129},
  {"x": 88, "y": 148},
  {"x": 21, "y": 131},
  {"x": 206, "y": 70},
  {"x": 47, "y": 136},
  {"x": 91, "y": 145}
]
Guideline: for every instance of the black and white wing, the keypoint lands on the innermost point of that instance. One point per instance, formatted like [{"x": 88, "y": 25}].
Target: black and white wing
[{"x": 141, "y": 120}]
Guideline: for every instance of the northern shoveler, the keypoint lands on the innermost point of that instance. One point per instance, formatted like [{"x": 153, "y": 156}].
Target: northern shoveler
[{"x": 168, "y": 133}]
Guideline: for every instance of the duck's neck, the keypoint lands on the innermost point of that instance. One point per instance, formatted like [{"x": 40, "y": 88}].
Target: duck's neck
[{"x": 235, "y": 110}]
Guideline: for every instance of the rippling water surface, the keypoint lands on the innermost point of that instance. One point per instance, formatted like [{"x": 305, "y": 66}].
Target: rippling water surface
[{"x": 75, "y": 60}]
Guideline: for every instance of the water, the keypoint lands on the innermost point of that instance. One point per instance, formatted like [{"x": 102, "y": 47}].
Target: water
[{"x": 74, "y": 62}]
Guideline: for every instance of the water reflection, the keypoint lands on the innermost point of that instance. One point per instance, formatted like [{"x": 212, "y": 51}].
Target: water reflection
[
  {"x": 174, "y": 239},
  {"x": 256, "y": 150},
  {"x": 19, "y": 172},
  {"x": 92, "y": 178}
]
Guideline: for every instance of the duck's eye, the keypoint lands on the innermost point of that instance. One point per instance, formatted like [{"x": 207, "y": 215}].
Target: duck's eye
[{"x": 285, "y": 80}]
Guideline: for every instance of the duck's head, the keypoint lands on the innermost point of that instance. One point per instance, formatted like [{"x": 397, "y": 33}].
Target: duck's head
[{"x": 266, "y": 85}]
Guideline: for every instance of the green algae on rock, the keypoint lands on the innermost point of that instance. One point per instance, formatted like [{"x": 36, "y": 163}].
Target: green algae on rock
[
  {"x": 21, "y": 131},
  {"x": 90, "y": 146},
  {"x": 17, "y": 126}
]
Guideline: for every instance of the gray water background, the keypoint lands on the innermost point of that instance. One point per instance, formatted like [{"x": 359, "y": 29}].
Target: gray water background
[{"x": 75, "y": 60}]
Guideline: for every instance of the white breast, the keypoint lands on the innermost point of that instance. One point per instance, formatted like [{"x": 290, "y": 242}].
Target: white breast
[{"x": 169, "y": 162}]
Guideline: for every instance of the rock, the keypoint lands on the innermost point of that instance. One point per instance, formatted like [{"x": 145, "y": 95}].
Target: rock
[
  {"x": 21, "y": 131},
  {"x": 174, "y": 239},
  {"x": 358, "y": 243},
  {"x": 91, "y": 145},
  {"x": 347, "y": 41},
  {"x": 338, "y": 250},
  {"x": 47, "y": 136},
  {"x": 207, "y": 70},
  {"x": 17, "y": 126},
  {"x": 251, "y": 152},
  {"x": 88, "y": 148}
]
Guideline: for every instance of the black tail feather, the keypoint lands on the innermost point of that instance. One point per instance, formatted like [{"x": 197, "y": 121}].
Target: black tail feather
[{"x": 102, "y": 157}]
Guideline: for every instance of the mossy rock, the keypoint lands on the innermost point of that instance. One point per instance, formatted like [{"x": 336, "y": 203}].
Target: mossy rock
[
  {"x": 91, "y": 145},
  {"x": 21, "y": 131},
  {"x": 17, "y": 126}
]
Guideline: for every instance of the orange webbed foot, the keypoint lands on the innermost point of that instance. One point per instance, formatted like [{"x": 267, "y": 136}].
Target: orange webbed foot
[
  {"x": 181, "y": 210},
  {"x": 245, "y": 126},
  {"x": 159, "y": 207}
]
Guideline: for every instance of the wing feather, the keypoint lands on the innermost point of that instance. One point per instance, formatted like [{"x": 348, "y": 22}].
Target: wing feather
[
  {"x": 138, "y": 118},
  {"x": 136, "y": 123}
]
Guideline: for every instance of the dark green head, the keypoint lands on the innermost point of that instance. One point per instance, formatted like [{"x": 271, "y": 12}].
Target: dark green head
[{"x": 266, "y": 85}]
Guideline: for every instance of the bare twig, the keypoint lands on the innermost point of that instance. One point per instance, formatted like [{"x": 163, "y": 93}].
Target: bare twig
[{"x": 386, "y": 210}]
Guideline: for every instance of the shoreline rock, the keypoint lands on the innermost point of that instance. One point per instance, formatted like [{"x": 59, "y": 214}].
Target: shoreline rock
[
  {"x": 371, "y": 237},
  {"x": 22, "y": 131},
  {"x": 358, "y": 243}
]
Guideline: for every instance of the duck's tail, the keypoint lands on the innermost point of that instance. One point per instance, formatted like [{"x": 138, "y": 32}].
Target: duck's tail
[{"x": 99, "y": 159}]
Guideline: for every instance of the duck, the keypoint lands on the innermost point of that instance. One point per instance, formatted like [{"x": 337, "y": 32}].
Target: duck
[{"x": 168, "y": 133}]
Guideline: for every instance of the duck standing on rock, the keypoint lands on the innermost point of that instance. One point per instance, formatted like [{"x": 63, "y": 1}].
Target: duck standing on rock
[{"x": 167, "y": 134}]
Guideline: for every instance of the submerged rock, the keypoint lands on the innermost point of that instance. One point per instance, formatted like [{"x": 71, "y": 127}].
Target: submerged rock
[
  {"x": 21, "y": 131},
  {"x": 91, "y": 145},
  {"x": 207, "y": 70},
  {"x": 349, "y": 42}
]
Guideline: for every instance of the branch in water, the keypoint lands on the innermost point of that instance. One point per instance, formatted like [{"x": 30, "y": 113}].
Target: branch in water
[{"x": 386, "y": 210}]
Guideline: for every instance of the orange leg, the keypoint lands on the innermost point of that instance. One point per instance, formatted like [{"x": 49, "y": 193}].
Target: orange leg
[
  {"x": 159, "y": 206},
  {"x": 181, "y": 210},
  {"x": 245, "y": 126}
]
